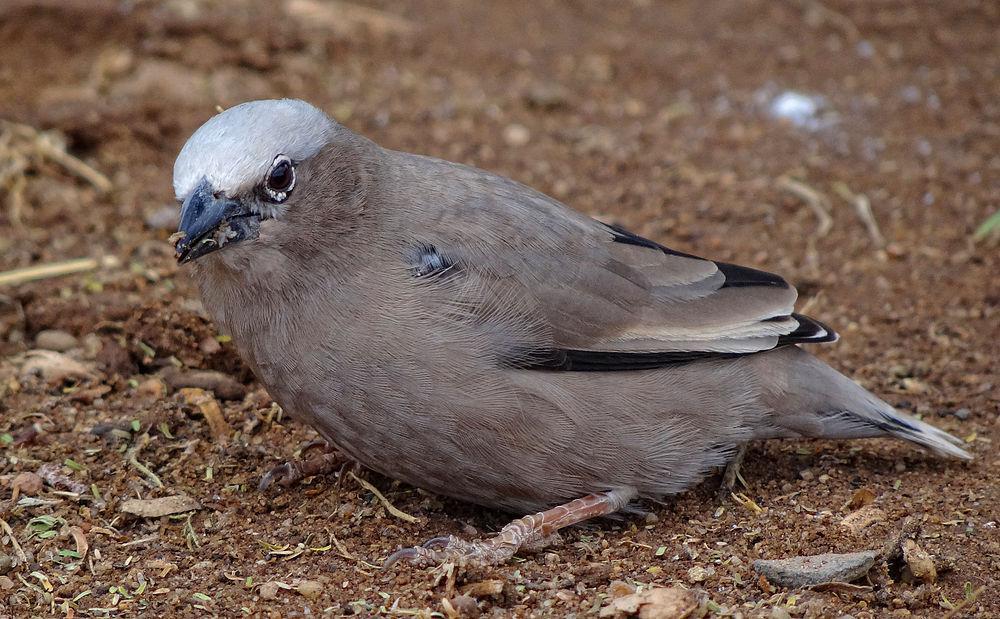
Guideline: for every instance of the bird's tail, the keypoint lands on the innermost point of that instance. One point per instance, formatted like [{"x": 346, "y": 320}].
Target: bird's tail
[{"x": 811, "y": 399}]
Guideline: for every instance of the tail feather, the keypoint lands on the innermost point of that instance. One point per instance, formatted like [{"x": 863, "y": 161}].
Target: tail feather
[{"x": 812, "y": 399}]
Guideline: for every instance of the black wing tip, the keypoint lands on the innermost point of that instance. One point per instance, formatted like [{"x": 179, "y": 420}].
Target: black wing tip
[
  {"x": 809, "y": 331},
  {"x": 739, "y": 276},
  {"x": 736, "y": 275},
  {"x": 621, "y": 235}
]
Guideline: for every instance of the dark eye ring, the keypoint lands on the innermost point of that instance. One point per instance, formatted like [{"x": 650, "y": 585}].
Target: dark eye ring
[{"x": 281, "y": 178}]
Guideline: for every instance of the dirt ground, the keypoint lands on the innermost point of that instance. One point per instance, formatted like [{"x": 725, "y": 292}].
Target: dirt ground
[{"x": 751, "y": 132}]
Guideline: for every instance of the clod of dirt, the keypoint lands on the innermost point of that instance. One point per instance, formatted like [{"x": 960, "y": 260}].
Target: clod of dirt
[
  {"x": 153, "y": 388},
  {"x": 816, "y": 569},
  {"x": 115, "y": 359},
  {"x": 55, "y": 340},
  {"x": 919, "y": 562},
  {"x": 165, "y": 506},
  {"x": 53, "y": 367},
  {"x": 861, "y": 519},
  {"x": 460, "y": 606},
  {"x": 660, "y": 603},
  {"x": 222, "y": 385}
]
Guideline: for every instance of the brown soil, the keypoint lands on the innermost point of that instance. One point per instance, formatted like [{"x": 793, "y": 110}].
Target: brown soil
[{"x": 653, "y": 117}]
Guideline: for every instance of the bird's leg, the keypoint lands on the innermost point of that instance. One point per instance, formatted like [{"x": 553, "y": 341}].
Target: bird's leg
[
  {"x": 294, "y": 471},
  {"x": 522, "y": 532},
  {"x": 732, "y": 473}
]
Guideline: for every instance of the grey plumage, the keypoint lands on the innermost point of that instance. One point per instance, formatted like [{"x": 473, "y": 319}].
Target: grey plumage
[{"x": 466, "y": 334}]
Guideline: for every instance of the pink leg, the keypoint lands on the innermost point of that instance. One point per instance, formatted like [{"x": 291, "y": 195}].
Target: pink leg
[
  {"x": 293, "y": 471},
  {"x": 521, "y": 532}
]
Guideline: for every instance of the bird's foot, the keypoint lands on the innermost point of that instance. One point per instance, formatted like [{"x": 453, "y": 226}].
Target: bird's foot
[
  {"x": 451, "y": 549},
  {"x": 531, "y": 531},
  {"x": 732, "y": 474},
  {"x": 294, "y": 471}
]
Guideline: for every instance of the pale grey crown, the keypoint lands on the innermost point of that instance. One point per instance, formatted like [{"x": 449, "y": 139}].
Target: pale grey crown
[{"x": 234, "y": 150}]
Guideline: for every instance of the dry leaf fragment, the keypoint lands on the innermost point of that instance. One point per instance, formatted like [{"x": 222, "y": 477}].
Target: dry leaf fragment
[
  {"x": 210, "y": 409},
  {"x": 165, "y": 506},
  {"x": 165, "y": 567},
  {"x": 861, "y": 498},
  {"x": 659, "y": 603},
  {"x": 483, "y": 588},
  {"x": 82, "y": 546},
  {"x": 53, "y": 367}
]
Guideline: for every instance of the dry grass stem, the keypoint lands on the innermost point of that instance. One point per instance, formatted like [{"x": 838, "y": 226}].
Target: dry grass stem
[
  {"x": 814, "y": 199},
  {"x": 27, "y": 147},
  {"x": 389, "y": 507},
  {"x": 131, "y": 458},
  {"x": 13, "y": 540},
  {"x": 862, "y": 206},
  {"x": 46, "y": 271}
]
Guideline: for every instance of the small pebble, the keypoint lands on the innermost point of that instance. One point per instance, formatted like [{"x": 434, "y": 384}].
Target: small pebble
[
  {"x": 466, "y": 606},
  {"x": 548, "y": 96},
  {"x": 53, "y": 339},
  {"x": 268, "y": 591},
  {"x": 164, "y": 218},
  {"x": 779, "y": 613},
  {"x": 963, "y": 413},
  {"x": 813, "y": 570},
  {"x": 700, "y": 574},
  {"x": 309, "y": 589},
  {"x": 210, "y": 345},
  {"x": 516, "y": 135}
]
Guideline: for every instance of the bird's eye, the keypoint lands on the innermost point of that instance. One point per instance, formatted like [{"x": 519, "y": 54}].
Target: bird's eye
[{"x": 280, "y": 179}]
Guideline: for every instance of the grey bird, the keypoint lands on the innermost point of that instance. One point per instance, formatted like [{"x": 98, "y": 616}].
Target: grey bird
[{"x": 465, "y": 334}]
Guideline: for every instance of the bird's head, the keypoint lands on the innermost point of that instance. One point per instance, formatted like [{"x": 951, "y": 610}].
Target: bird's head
[{"x": 239, "y": 169}]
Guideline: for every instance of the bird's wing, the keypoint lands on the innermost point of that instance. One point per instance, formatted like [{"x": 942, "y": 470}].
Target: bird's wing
[{"x": 556, "y": 289}]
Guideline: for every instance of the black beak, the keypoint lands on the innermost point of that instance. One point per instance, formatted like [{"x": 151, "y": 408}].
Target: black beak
[{"x": 209, "y": 223}]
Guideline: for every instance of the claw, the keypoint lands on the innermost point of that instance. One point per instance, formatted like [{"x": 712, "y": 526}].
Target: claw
[
  {"x": 438, "y": 543},
  {"x": 285, "y": 474},
  {"x": 294, "y": 471},
  {"x": 410, "y": 554}
]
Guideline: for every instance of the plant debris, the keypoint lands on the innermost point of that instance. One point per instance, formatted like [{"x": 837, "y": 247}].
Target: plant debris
[{"x": 156, "y": 508}]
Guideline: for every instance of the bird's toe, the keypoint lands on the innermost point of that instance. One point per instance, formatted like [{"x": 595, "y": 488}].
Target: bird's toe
[{"x": 451, "y": 549}]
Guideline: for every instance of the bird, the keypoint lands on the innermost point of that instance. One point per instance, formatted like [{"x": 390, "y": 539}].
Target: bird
[{"x": 468, "y": 335}]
